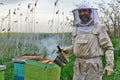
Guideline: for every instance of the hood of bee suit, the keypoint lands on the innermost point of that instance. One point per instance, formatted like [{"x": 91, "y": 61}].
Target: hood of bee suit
[{"x": 84, "y": 5}]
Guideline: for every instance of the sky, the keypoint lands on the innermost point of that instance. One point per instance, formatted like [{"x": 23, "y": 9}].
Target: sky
[{"x": 39, "y": 20}]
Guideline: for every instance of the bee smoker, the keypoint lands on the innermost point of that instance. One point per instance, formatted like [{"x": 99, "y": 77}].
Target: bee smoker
[{"x": 62, "y": 59}]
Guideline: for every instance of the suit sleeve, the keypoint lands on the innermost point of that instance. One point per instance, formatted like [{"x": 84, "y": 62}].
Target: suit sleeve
[{"x": 105, "y": 43}]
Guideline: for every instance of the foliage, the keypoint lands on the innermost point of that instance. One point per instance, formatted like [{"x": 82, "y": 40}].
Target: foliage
[
  {"x": 15, "y": 44},
  {"x": 110, "y": 15},
  {"x": 66, "y": 73}
]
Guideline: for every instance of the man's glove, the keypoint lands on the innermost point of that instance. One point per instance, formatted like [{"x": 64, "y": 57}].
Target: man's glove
[
  {"x": 108, "y": 70},
  {"x": 109, "y": 54},
  {"x": 66, "y": 50}
]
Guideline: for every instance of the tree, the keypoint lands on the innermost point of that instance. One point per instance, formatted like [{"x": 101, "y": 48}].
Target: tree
[{"x": 110, "y": 15}]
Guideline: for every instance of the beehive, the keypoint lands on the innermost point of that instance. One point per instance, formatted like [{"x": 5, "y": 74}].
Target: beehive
[
  {"x": 41, "y": 70},
  {"x": 2, "y": 70}
]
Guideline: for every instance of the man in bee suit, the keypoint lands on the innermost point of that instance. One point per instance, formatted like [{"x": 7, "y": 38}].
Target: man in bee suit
[{"x": 89, "y": 38}]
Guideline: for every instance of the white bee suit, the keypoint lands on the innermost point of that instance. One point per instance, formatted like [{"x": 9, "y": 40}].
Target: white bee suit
[{"x": 88, "y": 42}]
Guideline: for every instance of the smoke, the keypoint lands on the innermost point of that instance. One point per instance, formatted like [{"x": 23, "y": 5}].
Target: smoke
[
  {"x": 47, "y": 47},
  {"x": 43, "y": 44}
]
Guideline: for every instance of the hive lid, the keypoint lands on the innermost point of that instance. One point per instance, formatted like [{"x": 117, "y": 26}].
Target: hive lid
[
  {"x": 19, "y": 59},
  {"x": 22, "y": 59},
  {"x": 2, "y": 67}
]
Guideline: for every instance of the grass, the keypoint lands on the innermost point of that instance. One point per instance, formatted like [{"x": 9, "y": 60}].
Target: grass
[
  {"x": 66, "y": 72},
  {"x": 14, "y": 44}
]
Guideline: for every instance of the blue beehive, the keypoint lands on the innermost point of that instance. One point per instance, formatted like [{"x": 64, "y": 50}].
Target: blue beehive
[
  {"x": 19, "y": 63},
  {"x": 19, "y": 71}
]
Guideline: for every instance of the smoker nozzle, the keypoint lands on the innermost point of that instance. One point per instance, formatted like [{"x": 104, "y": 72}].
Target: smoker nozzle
[{"x": 59, "y": 49}]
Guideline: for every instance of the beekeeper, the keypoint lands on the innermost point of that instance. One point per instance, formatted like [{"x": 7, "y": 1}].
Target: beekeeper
[{"x": 89, "y": 39}]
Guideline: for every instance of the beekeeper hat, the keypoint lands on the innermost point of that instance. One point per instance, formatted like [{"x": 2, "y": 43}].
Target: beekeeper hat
[{"x": 85, "y": 5}]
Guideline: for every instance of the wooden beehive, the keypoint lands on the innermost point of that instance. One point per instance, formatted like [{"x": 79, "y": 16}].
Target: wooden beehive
[
  {"x": 2, "y": 70},
  {"x": 41, "y": 69}
]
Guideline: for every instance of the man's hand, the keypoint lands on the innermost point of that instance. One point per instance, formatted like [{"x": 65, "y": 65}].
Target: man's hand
[
  {"x": 108, "y": 70},
  {"x": 64, "y": 50}
]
